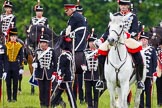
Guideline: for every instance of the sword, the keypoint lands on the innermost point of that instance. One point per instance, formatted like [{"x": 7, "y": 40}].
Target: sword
[{"x": 53, "y": 94}]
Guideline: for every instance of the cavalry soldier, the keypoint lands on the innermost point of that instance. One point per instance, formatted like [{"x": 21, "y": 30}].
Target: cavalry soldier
[
  {"x": 91, "y": 75},
  {"x": 7, "y": 19},
  {"x": 39, "y": 19},
  {"x": 65, "y": 75},
  {"x": 132, "y": 25},
  {"x": 15, "y": 67},
  {"x": 3, "y": 66},
  {"x": 44, "y": 65},
  {"x": 151, "y": 64},
  {"x": 77, "y": 28}
]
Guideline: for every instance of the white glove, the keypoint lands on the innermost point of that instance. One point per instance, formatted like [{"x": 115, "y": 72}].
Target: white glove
[
  {"x": 5, "y": 33},
  {"x": 35, "y": 65},
  {"x": 59, "y": 80},
  {"x": 97, "y": 42},
  {"x": 21, "y": 71},
  {"x": 84, "y": 67},
  {"x": 72, "y": 77},
  {"x": 68, "y": 30},
  {"x": 54, "y": 76},
  {"x": 4, "y": 75},
  {"x": 154, "y": 78}
]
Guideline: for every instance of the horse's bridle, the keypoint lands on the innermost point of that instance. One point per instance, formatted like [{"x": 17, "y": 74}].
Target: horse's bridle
[
  {"x": 117, "y": 42},
  {"x": 116, "y": 48}
]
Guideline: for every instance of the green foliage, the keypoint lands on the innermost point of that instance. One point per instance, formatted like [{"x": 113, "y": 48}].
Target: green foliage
[{"x": 96, "y": 12}]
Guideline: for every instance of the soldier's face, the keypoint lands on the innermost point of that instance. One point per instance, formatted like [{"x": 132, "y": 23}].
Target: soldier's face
[
  {"x": 8, "y": 9},
  {"x": 13, "y": 38},
  {"x": 124, "y": 8},
  {"x": 43, "y": 45},
  {"x": 144, "y": 42},
  {"x": 68, "y": 11},
  {"x": 39, "y": 13},
  {"x": 91, "y": 45}
]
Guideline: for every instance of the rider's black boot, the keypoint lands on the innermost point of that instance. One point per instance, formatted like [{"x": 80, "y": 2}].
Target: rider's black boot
[{"x": 139, "y": 75}]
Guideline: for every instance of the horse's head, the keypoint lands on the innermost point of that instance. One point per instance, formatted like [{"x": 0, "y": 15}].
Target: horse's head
[
  {"x": 155, "y": 35},
  {"x": 116, "y": 28},
  {"x": 35, "y": 31}
]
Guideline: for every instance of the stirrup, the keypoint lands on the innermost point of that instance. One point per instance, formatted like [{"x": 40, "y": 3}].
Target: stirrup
[
  {"x": 140, "y": 85},
  {"x": 100, "y": 85}
]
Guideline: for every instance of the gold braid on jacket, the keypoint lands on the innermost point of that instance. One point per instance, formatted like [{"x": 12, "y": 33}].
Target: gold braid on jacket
[{"x": 13, "y": 49}]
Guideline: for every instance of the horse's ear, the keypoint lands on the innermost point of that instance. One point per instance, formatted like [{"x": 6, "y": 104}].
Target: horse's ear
[{"x": 111, "y": 16}]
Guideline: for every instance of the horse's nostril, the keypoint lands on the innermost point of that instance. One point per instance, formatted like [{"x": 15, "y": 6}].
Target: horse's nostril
[{"x": 111, "y": 41}]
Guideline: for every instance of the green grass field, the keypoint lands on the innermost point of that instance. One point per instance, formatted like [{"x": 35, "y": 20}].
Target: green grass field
[{"x": 25, "y": 100}]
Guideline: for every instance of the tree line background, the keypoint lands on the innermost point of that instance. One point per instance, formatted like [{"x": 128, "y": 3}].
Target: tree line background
[{"x": 149, "y": 12}]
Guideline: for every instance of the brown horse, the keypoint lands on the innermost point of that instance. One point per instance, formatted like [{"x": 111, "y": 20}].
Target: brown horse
[
  {"x": 155, "y": 34},
  {"x": 156, "y": 41}
]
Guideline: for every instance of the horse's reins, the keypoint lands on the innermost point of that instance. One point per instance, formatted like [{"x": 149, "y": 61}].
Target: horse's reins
[
  {"x": 116, "y": 48},
  {"x": 116, "y": 43}
]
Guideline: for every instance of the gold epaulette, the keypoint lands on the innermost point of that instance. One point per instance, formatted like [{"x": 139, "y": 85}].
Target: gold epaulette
[{"x": 13, "y": 50}]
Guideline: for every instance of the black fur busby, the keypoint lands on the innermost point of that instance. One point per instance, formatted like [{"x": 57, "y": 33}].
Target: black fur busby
[
  {"x": 92, "y": 37},
  {"x": 79, "y": 8},
  {"x": 13, "y": 31},
  {"x": 38, "y": 8},
  {"x": 144, "y": 35},
  {"x": 124, "y": 2},
  {"x": 8, "y": 4},
  {"x": 44, "y": 38},
  {"x": 66, "y": 43}
]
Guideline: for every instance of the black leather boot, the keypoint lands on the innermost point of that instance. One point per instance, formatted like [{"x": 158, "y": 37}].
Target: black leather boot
[{"x": 139, "y": 75}]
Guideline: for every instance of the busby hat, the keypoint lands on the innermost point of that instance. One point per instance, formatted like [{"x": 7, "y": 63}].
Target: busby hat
[
  {"x": 8, "y": 4},
  {"x": 92, "y": 37},
  {"x": 66, "y": 43},
  {"x": 144, "y": 35},
  {"x": 38, "y": 8},
  {"x": 68, "y": 6},
  {"x": 124, "y": 2},
  {"x": 44, "y": 38},
  {"x": 79, "y": 8},
  {"x": 13, "y": 31}
]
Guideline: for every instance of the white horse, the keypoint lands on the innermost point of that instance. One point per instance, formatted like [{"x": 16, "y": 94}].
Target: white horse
[{"x": 119, "y": 65}]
